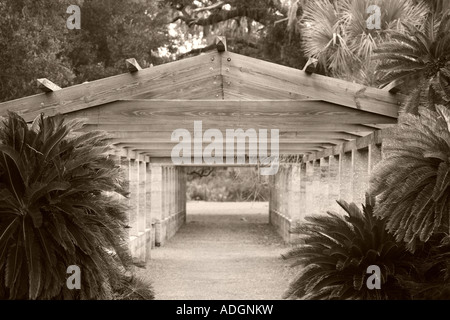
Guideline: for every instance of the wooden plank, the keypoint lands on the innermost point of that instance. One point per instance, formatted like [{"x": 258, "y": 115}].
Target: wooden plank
[
  {"x": 47, "y": 86},
  {"x": 360, "y": 143},
  {"x": 277, "y": 114},
  {"x": 161, "y": 127},
  {"x": 282, "y": 141},
  {"x": 110, "y": 89},
  {"x": 169, "y": 146},
  {"x": 271, "y": 75},
  {"x": 167, "y": 153},
  {"x": 206, "y": 88},
  {"x": 133, "y": 65},
  {"x": 239, "y": 89},
  {"x": 316, "y": 136}
]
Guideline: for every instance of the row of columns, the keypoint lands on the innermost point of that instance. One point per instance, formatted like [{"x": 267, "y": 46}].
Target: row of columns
[
  {"x": 156, "y": 202},
  {"x": 312, "y": 187}
]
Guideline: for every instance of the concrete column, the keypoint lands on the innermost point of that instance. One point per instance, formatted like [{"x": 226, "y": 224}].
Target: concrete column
[
  {"x": 150, "y": 233},
  {"x": 374, "y": 156},
  {"x": 148, "y": 191},
  {"x": 295, "y": 194},
  {"x": 309, "y": 192},
  {"x": 324, "y": 201},
  {"x": 157, "y": 200},
  {"x": 317, "y": 188},
  {"x": 134, "y": 197},
  {"x": 125, "y": 168},
  {"x": 142, "y": 224},
  {"x": 303, "y": 203},
  {"x": 164, "y": 193},
  {"x": 360, "y": 183},
  {"x": 333, "y": 185},
  {"x": 345, "y": 177}
]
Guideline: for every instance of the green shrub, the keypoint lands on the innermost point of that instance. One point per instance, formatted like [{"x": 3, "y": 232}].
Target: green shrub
[
  {"x": 57, "y": 210},
  {"x": 335, "y": 251},
  {"x": 412, "y": 182}
]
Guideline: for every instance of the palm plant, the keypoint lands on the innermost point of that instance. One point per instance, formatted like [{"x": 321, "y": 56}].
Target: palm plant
[
  {"x": 56, "y": 210},
  {"x": 336, "y": 251},
  {"x": 336, "y": 33},
  {"x": 412, "y": 182},
  {"x": 421, "y": 58}
]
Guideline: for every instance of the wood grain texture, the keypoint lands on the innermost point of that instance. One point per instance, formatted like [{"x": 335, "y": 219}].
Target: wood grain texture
[
  {"x": 110, "y": 89},
  {"x": 224, "y": 114},
  {"x": 261, "y": 73}
]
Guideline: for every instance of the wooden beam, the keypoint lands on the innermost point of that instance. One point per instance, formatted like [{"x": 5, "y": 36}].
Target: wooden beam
[
  {"x": 168, "y": 142},
  {"x": 285, "y": 115},
  {"x": 133, "y": 65},
  {"x": 159, "y": 78},
  {"x": 295, "y": 128},
  {"x": 239, "y": 69},
  {"x": 116, "y": 133},
  {"x": 47, "y": 86},
  {"x": 221, "y": 44}
]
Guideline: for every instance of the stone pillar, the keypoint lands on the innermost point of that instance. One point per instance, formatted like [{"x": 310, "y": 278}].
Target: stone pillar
[
  {"x": 148, "y": 201},
  {"x": 142, "y": 224},
  {"x": 360, "y": 183},
  {"x": 303, "y": 202},
  {"x": 345, "y": 178},
  {"x": 309, "y": 192},
  {"x": 374, "y": 156},
  {"x": 324, "y": 202},
  {"x": 157, "y": 201},
  {"x": 317, "y": 188},
  {"x": 134, "y": 197},
  {"x": 334, "y": 182},
  {"x": 150, "y": 233}
]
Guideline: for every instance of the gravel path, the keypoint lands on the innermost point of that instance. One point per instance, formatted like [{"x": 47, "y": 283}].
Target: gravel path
[{"x": 225, "y": 251}]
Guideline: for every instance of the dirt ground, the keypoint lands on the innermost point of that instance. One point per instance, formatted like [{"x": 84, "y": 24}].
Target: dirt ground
[{"x": 225, "y": 251}]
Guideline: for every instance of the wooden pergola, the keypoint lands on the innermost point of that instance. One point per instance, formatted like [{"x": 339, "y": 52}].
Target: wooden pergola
[{"x": 224, "y": 90}]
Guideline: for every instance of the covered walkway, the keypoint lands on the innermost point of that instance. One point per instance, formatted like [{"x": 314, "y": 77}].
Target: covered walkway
[
  {"x": 224, "y": 251},
  {"x": 333, "y": 126}
]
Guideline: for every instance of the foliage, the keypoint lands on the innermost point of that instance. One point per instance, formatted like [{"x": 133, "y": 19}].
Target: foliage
[
  {"x": 262, "y": 29},
  {"x": 335, "y": 252},
  {"x": 227, "y": 184},
  {"x": 336, "y": 33},
  {"x": 57, "y": 208},
  {"x": 422, "y": 58},
  {"x": 35, "y": 42},
  {"x": 412, "y": 182}
]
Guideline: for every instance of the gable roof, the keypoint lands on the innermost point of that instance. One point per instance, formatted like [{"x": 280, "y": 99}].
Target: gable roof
[{"x": 224, "y": 90}]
